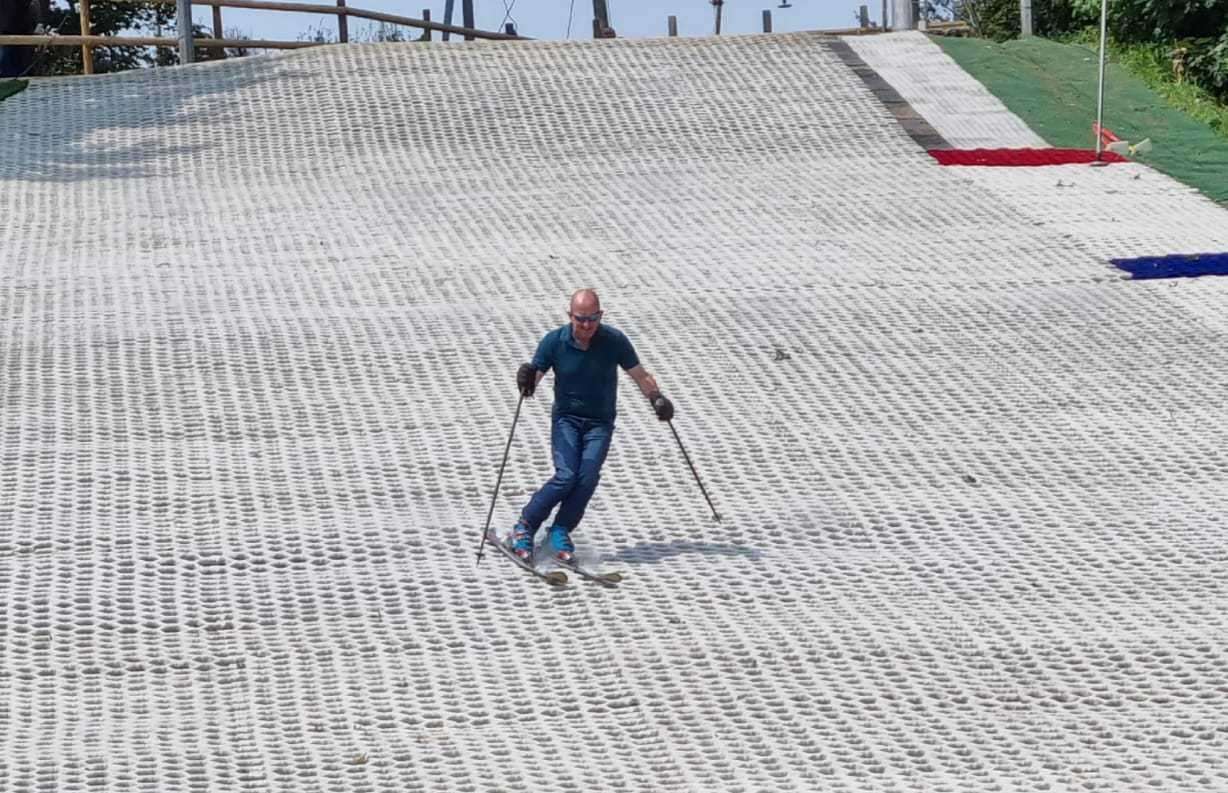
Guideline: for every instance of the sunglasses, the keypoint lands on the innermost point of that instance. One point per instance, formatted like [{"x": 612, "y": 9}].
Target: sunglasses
[{"x": 587, "y": 317}]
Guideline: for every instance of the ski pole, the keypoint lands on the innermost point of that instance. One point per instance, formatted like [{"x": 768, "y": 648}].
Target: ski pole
[
  {"x": 499, "y": 481},
  {"x": 687, "y": 457}
]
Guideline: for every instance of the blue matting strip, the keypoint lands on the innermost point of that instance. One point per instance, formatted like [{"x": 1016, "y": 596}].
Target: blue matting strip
[{"x": 1185, "y": 265}]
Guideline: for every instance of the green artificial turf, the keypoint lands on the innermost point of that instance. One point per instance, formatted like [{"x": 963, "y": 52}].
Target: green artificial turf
[
  {"x": 1053, "y": 86},
  {"x": 10, "y": 87}
]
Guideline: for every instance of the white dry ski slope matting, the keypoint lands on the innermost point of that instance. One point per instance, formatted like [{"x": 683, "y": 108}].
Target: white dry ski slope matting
[{"x": 260, "y": 322}]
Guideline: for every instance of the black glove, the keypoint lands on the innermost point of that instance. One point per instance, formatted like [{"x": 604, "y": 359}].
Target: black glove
[
  {"x": 526, "y": 379},
  {"x": 663, "y": 407}
]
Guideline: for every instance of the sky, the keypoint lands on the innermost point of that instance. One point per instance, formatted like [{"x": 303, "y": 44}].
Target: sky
[{"x": 548, "y": 19}]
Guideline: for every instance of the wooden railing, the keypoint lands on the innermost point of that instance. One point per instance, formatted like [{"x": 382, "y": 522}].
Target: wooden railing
[
  {"x": 88, "y": 42},
  {"x": 343, "y": 12}
]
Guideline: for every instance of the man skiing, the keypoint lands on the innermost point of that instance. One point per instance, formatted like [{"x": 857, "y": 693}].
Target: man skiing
[{"x": 585, "y": 356}]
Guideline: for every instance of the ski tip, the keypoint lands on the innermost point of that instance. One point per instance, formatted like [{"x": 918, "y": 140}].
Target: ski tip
[{"x": 555, "y": 578}]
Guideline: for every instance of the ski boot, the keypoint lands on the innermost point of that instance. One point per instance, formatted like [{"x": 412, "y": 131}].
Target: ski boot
[
  {"x": 561, "y": 545},
  {"x": 521, "y": 541}
]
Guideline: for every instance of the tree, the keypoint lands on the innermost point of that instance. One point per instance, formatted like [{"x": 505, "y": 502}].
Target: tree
[
  {"x": 106, "y": 19},
  {"x": 111, "y": 19},
  {"x": 16, "y": 19},
  {"x": 1000, "y": 19},
  {"x": 1192, "y": 33}
]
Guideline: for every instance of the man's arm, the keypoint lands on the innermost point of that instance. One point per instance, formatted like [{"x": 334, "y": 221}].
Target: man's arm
[
  {"x": 648, "y": 387},
  {"x": 646, "y": 382}
]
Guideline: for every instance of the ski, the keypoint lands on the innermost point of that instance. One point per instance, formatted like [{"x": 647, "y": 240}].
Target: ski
[
  {"x": 553, "y": 577},
  {"x": 609, "y": 579}
]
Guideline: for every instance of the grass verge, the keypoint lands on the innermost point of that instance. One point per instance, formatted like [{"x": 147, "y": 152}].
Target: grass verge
[
  {"x": 1052, "y": 87},
  {"x": 10, "y": 87}
]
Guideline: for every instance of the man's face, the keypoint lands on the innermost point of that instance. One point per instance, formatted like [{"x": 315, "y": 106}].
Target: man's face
[{"x": 585, "y": 317}]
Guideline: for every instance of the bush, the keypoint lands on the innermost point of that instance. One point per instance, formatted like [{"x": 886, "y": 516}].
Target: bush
[
  {"x": 1194, "y": 33},
  {"x": 999, "y": 19},
  {"x": 1207, "y": 64}
]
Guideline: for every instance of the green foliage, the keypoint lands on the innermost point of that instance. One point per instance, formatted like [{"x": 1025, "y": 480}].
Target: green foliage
[
  {"x": 1154, "y": 65},
  {"x": 1053, "y": 88},
  {"x": 1161, "y": 20},
  {"x": 1195, "y": 30},
  {"x": 106, "y": 19},
  {"x": 1193, "y": 34},
  {"x": 999, "y": 19},
  {"x": 1208, "y": 64},
  {"x": 115, "y": 19},
  {"x": 382, "y": 32},
  {"x": 10, "y": 87}
]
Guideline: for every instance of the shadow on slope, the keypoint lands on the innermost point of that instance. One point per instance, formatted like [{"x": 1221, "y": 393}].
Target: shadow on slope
[{"x": 54, "y": 135}]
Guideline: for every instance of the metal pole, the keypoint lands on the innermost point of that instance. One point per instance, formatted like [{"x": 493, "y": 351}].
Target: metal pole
[
  {"x": 601, "y": 20},
  {"x": 448, "y": 7},
  {"x": 720, "y": 4},
  {"x": 1025, "y": 18},
  {"x": 494, "y": 497},
  {"x": 343, "y": 24},
  {"x": 886, "y": 24},
  {"x": 863, "y": 17},
  {"x": 1104, "y": 32},
  {"x": 426, "y": 17},
  {"x": 673, "y": 26},
  {"x": 183, "y": 18},
  {"x": 902, "y": 15},
  {"x": 699, "y": 482},
  {"x": 467, "y": 17},
  {"x": 767, "y": 21}
]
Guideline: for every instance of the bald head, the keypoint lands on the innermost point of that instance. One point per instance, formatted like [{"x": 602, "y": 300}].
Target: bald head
[
  {"x": 585, "y": 313},
  {"x": 584, "y": 301}
]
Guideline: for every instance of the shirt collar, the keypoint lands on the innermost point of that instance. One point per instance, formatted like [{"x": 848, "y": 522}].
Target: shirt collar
[{"x": 571, "y": 341}]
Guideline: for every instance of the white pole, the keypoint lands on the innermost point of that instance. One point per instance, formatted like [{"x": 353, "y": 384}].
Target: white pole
[
  {"x": 1104, "y": 32},
  {"x": 183, "y": 18},
  {"x": 1025, "y": 18}
]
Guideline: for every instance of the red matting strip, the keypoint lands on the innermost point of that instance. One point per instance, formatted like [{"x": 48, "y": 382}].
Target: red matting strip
[{"x": 1020, "y": 157}]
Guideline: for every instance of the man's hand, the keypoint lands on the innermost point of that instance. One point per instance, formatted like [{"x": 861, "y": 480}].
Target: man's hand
[
  {"x": 526, "y": 379},
  {"x": 662, "y": 406}
]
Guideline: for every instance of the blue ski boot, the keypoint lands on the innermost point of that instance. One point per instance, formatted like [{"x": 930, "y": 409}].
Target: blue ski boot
[
  {"x": 561, "y": 545},
  {"x": 521, "y": 541}
]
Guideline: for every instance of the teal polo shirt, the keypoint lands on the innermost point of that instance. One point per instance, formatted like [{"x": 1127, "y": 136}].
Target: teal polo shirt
[{"x": 585, "y": 381}]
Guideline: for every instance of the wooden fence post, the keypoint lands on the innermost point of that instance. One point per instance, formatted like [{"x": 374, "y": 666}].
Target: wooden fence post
[
  {"x": 426, "y": 17},
  {"x": 467, "y": 15},
  {"x": 767, "y": 21},
  {"x": 672, "y": 24},
  {"x": 343, "y": 24},
  {"x": 87, "y": 51},
  {"x": 863, "y": 16}
]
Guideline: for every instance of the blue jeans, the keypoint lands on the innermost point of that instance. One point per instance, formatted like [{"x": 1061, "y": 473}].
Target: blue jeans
[{"x": 579, "y": 446}]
